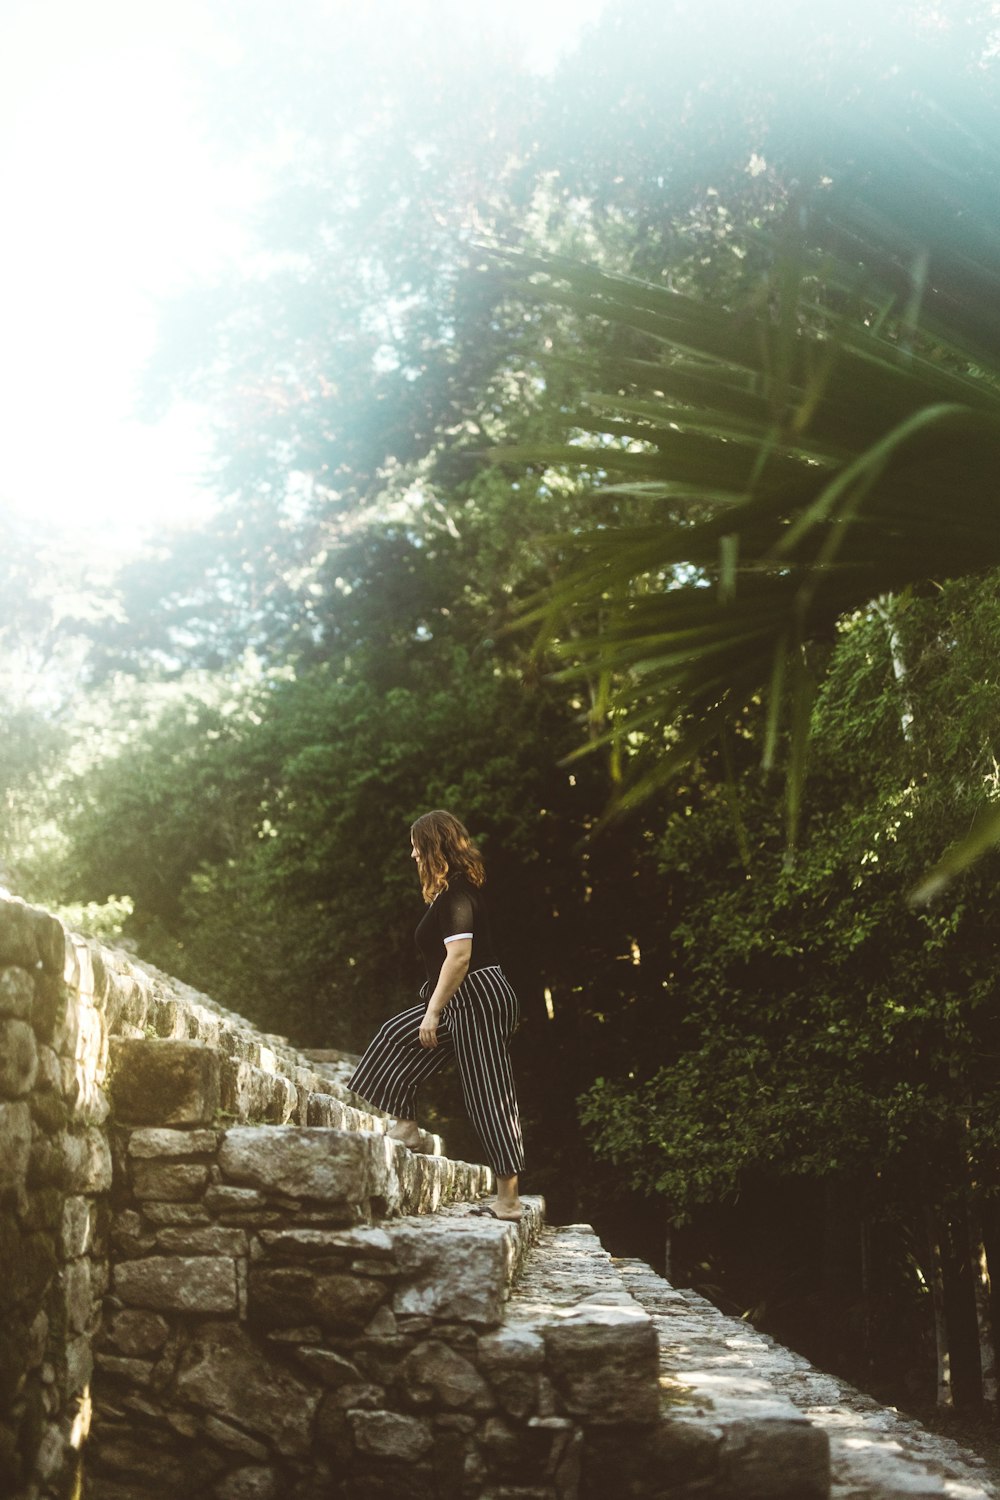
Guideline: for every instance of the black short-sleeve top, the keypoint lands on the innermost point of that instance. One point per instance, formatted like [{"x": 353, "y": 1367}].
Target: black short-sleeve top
[{"x": 459, "y": 911}]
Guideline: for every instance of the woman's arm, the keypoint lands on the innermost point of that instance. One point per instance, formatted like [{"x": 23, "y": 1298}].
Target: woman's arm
[{"x": 453, "y": 971}]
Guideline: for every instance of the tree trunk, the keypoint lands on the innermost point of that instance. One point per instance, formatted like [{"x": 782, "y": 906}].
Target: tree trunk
[
  {"x": 984, "y": 1313},
  {"x": 866, "y": 1291},
  {"x": 935, "y": 1264},
  {"x": 883, "y": 608}
]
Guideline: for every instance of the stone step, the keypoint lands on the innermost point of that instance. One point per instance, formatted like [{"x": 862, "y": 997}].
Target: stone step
[
  {"x": 725, "y": 1369},
  {"x": 450, "y": 1265},
  {"x": 187, "y": 1081},
  {"x": 644, "y": 1435},
  {"x": 252, "y": 1177},
  {"x": 601, "y": 1343},
  {"x": 363, "y": 1363}
]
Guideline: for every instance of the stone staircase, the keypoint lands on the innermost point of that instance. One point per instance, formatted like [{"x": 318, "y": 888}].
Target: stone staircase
[
  {"x": 223, "y": 1280},
  {"x": 299, "y": 1310}
]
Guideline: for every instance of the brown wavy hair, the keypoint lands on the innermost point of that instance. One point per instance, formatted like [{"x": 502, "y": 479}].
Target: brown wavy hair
[{"x": 444, "y": 848}]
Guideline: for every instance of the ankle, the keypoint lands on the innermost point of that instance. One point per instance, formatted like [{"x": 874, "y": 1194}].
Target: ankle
[{"x": 507, "y": 1190}]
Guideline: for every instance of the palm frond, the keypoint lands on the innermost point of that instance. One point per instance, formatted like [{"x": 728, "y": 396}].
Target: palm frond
[{"x": 772, "y": 466}]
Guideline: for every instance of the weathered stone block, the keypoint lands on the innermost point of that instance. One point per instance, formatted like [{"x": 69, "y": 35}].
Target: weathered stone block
[
  {"x": 15, "y": 1145},
  {"x": 87, "y": 1155},
  {"x": 516, "y": 1391},
  {"x": 78, "y": 1294},
  {"x": 79, "y": 1364},
  {"x": 369, "y": 1240},
  {"x": 233, "y": 1200},
  {"x": 343, "y": 1169},
  {"x": 227, "y": 1373},
  {"x": 170, "y": 1181},
  {"x": 18, "y": 939},
  {"x": 303, "y": 1294},
  {"x": 51, "y": 942},
  {"x": 384, "y": 1325},
  {"x": 253, "y": 1093},
  {"x": 449, "y": 1272},
  {"x": 126, "y": 1007},
  {"x": 131, "y": 1235},
  {"x": 49, "y": 1006},
  {"x": 174, "y": 1213},
  {"x": 136, "y": 1333},
  {"x": 324, "y": 1109},
  {"x": 46, "y": 1164},
  {"x": 387, "y": 1434},
  {"x": 17, "y": 991},
  {"x": 211, "y": 1240},
  {"x": 37, "y": 1339},
  {"x": 48, "y": 1111},
  {"x": 604, "y": 1362},
  {"x": 328, "y": 1366},
  {"x": 146, "y": 1468},
  {"x": 200, "y": 1283},
  {"x": 362, "y": 1397},
  {"x": 136, "y": 1372},
  {"x": 156, "y": 1082},
  {"x": 511, "y": 1347},
  {"x": 234, "y": 1438},
  {"x": 775, "y": 1460},
  {"x": 18, "y": 1058},
  {"x": 76, "y": 1227},
  {"x": 251, "y": 1483},
  {"x": 49, "y": 1070},
  {"x": 150, "y": 1142},
  {"x": 434, "y": 1374}
]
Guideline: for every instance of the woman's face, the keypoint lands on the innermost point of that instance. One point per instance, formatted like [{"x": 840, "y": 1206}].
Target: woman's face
[{"x": 414, "y": 853}]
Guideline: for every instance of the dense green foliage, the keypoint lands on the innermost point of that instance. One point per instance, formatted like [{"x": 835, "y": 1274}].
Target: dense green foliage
[{"x": 834, "y": 1026}]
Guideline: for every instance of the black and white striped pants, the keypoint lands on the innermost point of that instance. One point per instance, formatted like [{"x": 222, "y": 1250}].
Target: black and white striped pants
[{"x": 475, "y": 1027}]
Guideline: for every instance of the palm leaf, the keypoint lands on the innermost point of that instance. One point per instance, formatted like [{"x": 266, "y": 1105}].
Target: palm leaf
[{"x": 800, "y": 464}]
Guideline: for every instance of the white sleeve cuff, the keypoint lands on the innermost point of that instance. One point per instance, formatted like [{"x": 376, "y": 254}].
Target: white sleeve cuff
[{"x": 456, "y": 935}]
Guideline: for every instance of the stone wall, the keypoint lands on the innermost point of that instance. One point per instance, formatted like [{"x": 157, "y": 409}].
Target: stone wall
[
  {"x": 66, "y": 1007},
  {"x": 55, "y": 1178},
  {"x": 223, "y": 1279},
  {"x": 276, "y": 1328},
  {"x": 263, "y": 1339}
]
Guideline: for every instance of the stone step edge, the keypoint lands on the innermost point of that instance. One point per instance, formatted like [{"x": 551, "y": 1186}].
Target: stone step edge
[
  {"x": 876, "y": 1451},
  {"x": 168, "y": 1081},
  {"x": 759, "y": 1442},
  {"x": 363, "y": 1175},
  {"x": 597, "y": 1339},
  {"x": 452, "y": 1264}
]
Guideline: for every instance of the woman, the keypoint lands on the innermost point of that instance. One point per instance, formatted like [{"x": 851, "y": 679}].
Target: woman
[{"x": 470, "y": 1011}]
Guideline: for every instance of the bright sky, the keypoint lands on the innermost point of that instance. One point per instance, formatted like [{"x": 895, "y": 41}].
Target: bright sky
[{"x": 111, "y": 201}]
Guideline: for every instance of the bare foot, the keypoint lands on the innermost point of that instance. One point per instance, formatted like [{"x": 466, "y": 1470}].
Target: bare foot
[
  {"x": 406, "y": 1131},
  {"x": 512, "y": 1212}
]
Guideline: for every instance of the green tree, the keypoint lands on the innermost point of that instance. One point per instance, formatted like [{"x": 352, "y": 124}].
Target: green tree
[{"x": 826, "y": 1031}]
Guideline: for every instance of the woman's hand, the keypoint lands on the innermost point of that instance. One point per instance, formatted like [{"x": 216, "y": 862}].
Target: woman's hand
[
  {"x": 428, "y": 1030},
  {"x": 453, "y": 971}
]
